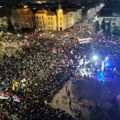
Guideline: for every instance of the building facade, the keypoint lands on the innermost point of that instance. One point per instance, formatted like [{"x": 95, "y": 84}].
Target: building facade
[
  {"x": 114, "y": 22},
  {"x": 22, "y": 18},
  {"x": 58, "y": 20},
  {"x": 109, "y": 19},
  {"x": 45, "y": 20}
]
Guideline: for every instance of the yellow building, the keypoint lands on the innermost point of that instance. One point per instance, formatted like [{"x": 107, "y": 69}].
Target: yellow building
[
  {"x": 45, "y": 20},
  {"x": 59, "y": 20},
  {"x": 51, "y": 21},
  {"x": 22, "y": 18}
]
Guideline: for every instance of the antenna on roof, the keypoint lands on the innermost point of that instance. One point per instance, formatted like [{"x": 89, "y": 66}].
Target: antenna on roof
[{"x": 59, "y": 5}]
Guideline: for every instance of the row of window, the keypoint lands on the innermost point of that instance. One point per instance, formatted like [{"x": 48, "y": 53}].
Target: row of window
[
  {"x": 50, "y": 23},
  {"x": 39, "y": 17},
  {"x": 50, "y": 28},
  {"x": 41, "y": 22},
  {"x": 42, "y": 17},
  {"x": 49, "y": 18}
]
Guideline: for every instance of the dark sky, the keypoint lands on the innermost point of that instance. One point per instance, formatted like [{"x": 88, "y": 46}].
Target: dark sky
[
  {"x": 14, "y": 2},
  {"x": 10, "y": 2},
  {"x": 50, "y": 0},
  {"x": 32, "y": 1}
]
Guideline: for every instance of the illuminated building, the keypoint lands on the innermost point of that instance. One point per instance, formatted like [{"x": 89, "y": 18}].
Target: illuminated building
[
  {"x": 59, "y": 20},
  {"x": 45, "y": 19}
]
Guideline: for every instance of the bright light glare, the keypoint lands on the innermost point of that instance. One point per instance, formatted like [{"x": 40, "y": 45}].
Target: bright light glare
[
  {"x": 107, "y": 64},
  {"x": 95, "y": 57}
]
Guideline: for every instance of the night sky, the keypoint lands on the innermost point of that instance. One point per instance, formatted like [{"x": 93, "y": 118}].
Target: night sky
[
  {"x": 83, "y": 2},
  {"x": 11, "y": 3},
  {"x": 31, "y": 1}
]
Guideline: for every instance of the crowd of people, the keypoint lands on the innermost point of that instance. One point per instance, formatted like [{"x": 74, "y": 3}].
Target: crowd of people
[
  {"x": 43, "y": 66},
  {"x": 42, "y": 69}
]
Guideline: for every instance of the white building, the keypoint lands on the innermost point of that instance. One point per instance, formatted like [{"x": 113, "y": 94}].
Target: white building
[
  {"x": 113, "y": 18},
  {"x": 115, "y": 21}
]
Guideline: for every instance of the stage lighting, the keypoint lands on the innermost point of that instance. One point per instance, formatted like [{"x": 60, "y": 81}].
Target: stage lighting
[{"x": 95, "y": 57}]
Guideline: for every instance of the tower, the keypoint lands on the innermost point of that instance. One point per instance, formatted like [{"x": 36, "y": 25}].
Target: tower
[{"x": 59, "y": 18}]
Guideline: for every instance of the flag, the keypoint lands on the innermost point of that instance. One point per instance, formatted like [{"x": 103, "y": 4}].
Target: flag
[
  {"x": 23, "y": 80},
  {"x": 16, "y": 98},
  {"x": 66, "y": 57},
  {"x": 81, "y": 62},
  {"x": 15, "y": 85},
  {"x": 3, "y": 96},
  {"x": 54, "y": 50}
]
